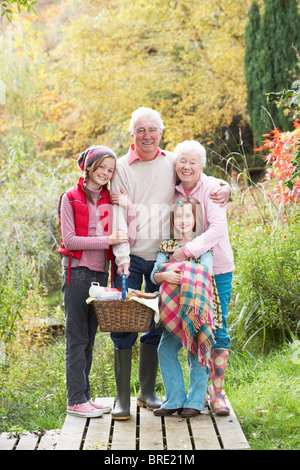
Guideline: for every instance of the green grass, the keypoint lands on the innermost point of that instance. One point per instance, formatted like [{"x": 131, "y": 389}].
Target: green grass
[
  {"x": 263, "y": 390},
  {"x": 32, "y": 395}
]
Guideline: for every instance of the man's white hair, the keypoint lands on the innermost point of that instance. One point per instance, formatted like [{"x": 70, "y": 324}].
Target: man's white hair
[
  {"x": 142, "y": 112},
  {"x": 187, "y": 146}
]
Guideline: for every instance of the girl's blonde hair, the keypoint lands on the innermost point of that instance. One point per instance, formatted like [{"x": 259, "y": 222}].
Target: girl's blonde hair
[{"x": 197, "y": 213}]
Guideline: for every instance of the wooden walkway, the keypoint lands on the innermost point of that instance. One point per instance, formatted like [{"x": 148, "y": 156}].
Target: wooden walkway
[{"x": 143, "y": 431}]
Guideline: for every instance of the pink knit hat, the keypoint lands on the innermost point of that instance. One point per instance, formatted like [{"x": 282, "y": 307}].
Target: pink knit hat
[{"x": 91, "y": 154}]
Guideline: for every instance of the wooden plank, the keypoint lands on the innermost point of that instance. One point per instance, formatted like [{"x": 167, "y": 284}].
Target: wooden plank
[
  {"x": 230, "y": 431},
  {"x": 27, "y": 441},
  {"x": 49, "y": 440},
  {"x": 7, "y": 442},
  {"x": 71, "y": 433},
  {"x": 177, "y": 433},
  {"x": 150, "y": 432},
  {"x": 98, "y": 433},
  {"x": 124, "y": 433},
  {"x": 180, "y": 433},
  {"x": 203, "y": 432}
]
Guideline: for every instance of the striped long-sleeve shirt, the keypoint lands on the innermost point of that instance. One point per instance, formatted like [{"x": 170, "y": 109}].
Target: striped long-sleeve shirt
[{"x": 96, "y": 243}]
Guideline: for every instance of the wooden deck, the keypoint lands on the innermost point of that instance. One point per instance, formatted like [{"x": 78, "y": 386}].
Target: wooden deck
[{"x": 143, "y": 431}]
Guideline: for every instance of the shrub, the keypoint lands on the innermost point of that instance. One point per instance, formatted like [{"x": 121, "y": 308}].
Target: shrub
[
  {"x": 23, "y": 302},
  {"x": 266, "y": 286},
  {"x": 15, "y": 280}
]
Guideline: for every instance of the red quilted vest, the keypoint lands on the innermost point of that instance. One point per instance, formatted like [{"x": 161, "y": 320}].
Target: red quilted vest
[{"x": 77, "y": 198}]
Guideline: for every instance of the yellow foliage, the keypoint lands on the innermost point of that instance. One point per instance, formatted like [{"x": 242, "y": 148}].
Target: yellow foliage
[{"x": 183, "y": 58}]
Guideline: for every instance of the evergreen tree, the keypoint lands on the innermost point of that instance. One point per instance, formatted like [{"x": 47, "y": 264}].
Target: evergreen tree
[
  {"x": 272, "y": 66},
  {"x": 255, "y": 97}
]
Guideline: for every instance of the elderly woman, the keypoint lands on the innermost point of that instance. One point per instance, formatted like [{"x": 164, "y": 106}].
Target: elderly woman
[{"x": 190, "y": 159}]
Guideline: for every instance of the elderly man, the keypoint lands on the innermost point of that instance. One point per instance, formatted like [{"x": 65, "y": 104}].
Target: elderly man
[{"x": 147, "y": 175}]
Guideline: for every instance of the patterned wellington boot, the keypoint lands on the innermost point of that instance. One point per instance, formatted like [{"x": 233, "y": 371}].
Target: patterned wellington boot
[{"x": 219, "y": 357}]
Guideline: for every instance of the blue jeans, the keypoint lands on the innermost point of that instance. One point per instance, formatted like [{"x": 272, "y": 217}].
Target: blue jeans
[
  {"x": 80, "y": 330},
  {"x": 223, "y": 282},
  {"x": 172, "y": 376},
  {"x": 140, "y": 271}
]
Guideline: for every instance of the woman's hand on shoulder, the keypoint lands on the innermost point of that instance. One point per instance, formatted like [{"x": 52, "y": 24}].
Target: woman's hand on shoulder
[
  {"x": 221, "y": 195},
  {"x": 177, "y": 256}
]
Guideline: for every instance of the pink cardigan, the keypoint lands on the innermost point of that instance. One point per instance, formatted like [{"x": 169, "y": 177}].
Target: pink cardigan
[{"x": 215, "y": 227}]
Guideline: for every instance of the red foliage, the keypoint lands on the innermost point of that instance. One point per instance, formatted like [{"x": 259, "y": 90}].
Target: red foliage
[{"x": 282, "y": 147}]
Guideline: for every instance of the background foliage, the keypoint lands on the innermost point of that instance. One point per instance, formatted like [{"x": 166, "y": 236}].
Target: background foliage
[
  {"x": 70, "y": 76},
  {"x": 271, "y": 62},
  {"x": 182, "y": 58}
]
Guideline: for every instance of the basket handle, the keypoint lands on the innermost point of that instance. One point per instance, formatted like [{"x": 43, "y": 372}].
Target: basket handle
[{"x": 124, "y": 286}]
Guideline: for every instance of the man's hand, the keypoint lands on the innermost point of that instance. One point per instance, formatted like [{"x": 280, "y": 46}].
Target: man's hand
[
  {"x": 177, "y": 256},
  {"x": 221, "y": 196},
  {"x": 123, "y": 269}
]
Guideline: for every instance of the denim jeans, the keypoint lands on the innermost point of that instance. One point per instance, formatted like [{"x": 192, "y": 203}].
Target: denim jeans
[
  {"x": 172, "y": 376},
  {"x": 80, "y": 331},
  {"x": 140, "y": 271},
  {"x": 223, "y": 282}
]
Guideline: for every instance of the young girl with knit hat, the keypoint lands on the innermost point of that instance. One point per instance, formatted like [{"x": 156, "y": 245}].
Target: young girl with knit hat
[{"x": 85, "y": 216}]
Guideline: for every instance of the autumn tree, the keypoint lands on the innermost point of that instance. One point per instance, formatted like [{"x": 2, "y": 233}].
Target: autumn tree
[
  {"x": 110, "y": 57},
  {"x": 182, "y": 58},
  {"x": 284, "y": 150}
]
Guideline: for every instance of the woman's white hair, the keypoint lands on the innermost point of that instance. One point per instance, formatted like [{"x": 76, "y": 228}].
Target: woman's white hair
[
  {"x": 142, "y": 112},
  {"x": 187, "y": 146}
]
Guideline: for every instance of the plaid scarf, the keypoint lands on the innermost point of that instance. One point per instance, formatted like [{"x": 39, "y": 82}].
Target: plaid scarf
[{"x": 187, "y": 310}]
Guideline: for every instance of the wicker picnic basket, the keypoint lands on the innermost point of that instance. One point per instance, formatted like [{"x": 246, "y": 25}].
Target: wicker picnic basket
[{"x": 122, "y": 316}]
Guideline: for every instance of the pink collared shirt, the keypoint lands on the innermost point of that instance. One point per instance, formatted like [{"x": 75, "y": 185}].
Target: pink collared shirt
[
  {"x": 132, "y": 156},
  {"x": 215, "y": 227}
]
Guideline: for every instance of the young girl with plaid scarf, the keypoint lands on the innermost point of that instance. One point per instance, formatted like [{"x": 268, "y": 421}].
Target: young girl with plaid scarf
[{"x": 186, "y": 313}]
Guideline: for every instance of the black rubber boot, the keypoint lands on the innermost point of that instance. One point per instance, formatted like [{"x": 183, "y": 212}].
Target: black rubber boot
[
  {"x": 148, "y": 365},
  {"x": 122, "y": 377}
]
